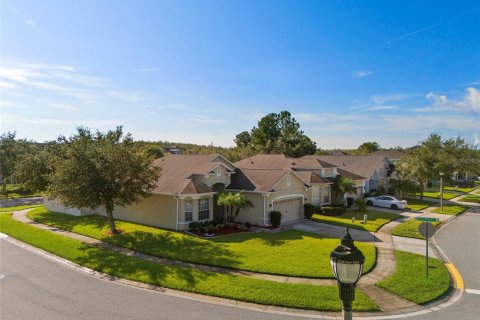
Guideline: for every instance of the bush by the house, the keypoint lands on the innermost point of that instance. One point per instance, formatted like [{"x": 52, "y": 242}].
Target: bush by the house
[
  {"x": 308, "y": 210},
  {"x": 333, "y": 211},
  {"x": 194, "y": 226},
  {"x": 367, "y": 194},
  {"x": 361, "y": 205},
  {"x": 350, "y": 202},
  {"x": 275, "y": 218},
  {"x": 318, "y": 209}
]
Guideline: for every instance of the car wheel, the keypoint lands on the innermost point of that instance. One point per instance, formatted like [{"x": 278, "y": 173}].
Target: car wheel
[
  {"x": 394, "y": 206},
  {"x": 369, "y": 203}
]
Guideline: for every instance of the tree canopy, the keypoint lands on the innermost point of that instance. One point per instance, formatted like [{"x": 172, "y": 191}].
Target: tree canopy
[
  {"x": 234, "y": 201},
  {"x": 369, "y": 147},
  {"x": 101, "y": 169},
  {"x": 277, "y": 133},
  {"x": 11, "y": 149}
]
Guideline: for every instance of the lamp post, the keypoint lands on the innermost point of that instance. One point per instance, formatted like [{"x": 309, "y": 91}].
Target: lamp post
[
  {"x": 347, "y": 265},
  {"x": 441, "y": 190}
]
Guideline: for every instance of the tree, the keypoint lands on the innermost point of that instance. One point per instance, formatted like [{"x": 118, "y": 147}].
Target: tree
[
  {"x": 342, "y": 185},
  {"x": 97, "y": 169},
  {"x": 34, "y": 168},
  {"x": 10, "y": 150},
  {"x": 369, "y": 147},
  {"x": 234, "y": 201},
  {"x": 278, "y": 133},
  {"x": 243, "y": 139}
]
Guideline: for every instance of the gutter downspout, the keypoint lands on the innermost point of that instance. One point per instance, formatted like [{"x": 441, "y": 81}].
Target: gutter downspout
[{"x": 176, "y": 224}]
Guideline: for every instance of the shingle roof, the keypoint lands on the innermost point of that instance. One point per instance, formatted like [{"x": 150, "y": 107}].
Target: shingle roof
[
  {"x": 177, "y": 170},
  {"x": 310, "y": 177},
  {"x": 351, "y": 175},
  {"x": 390, "y": 154},
  {"x": 260, "y": 180},
  {"x": 280, "y": 161},
  {"x": 363, "y": 166}
]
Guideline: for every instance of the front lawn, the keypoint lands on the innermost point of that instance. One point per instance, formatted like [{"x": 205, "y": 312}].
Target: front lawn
[
  {"x": 290, "y": 252},
  {"x": 452, "y": 209},
  {"x": 375, "y": 219},
  {"x": 186, "y": 279},
  {"x": 409, "y": 229},
  {"x": 459, "y": 189},
  {"x": 435, "y": 194},
  {"x": 409, "y": 280},
  {"x": 470, "y": 198},
  {"x": 18, "y": 208},
  {"x": 417, "y": 204}
]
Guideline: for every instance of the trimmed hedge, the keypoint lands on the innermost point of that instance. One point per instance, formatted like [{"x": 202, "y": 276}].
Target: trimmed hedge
[
  {"x": 308, "y": 210},
  {"x": 275, "y": 218},
  {"x": 333, "y": 211}
]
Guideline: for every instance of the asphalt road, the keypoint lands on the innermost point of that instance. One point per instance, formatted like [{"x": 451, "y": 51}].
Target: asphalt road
[{"x": 36, "y": 288}]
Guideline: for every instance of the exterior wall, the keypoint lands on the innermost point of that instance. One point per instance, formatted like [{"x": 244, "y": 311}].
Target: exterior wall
[
  {"x": 213, "y": 178},
  {"x": 54, "y": 205},
  {"x": 329, "y": 172},
  {"x": 154, "y": 210},
  {"x": 182, "y": 224},
  {"x": 289, "y": 185},
  {"x": 255, "y": 215}
]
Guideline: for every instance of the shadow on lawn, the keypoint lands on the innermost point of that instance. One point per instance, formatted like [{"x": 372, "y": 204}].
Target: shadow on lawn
[{"x": 136, "y": 269}]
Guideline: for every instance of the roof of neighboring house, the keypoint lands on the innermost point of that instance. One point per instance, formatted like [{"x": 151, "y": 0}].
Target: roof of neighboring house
[
  {"x": 310, "y": 177},
  {"x": 390, "y": 154},
  {"x": 280, "y": 161},
  {"x": 259, "y": 180},
  {"x": 351, "y": 175},
  {"x": 175, "y": 176},
  {"x": 362, "y": 166}
]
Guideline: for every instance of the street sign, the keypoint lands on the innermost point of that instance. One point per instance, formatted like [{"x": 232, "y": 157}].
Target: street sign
[
  {"x": 426, "y": 229},
  {"x": 427, "y": 219}
]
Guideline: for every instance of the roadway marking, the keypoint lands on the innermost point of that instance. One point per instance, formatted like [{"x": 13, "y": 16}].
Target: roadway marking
[
  {"x": 472, "y": 291},
  {"x": 457, "y": 278}
]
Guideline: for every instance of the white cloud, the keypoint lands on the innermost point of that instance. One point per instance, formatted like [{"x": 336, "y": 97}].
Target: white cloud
[
  {"x": 361, "y": 74},
  {"x": 381, "y": 99},
  {"x": 31, "y": 22},
  {"x": 470, "y": 102},
  {"x": 381, "y": 107},
  {"x": 199, "y": 120},
  {"x": 7, "y": 85}
]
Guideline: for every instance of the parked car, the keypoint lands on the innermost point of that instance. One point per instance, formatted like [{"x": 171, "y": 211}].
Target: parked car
[{"x": 387, "y": 202}]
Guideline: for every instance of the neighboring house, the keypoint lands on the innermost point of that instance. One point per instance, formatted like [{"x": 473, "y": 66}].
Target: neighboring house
[
  {"x": 393, "y": 155},
  {"x": 375, "y": 167},
  {"x": 173, "y": 150},
  {"x": 188, "y": 187}
]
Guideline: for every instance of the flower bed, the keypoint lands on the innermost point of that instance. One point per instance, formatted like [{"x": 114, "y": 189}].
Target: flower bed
[{"x": 223, "y": 231}]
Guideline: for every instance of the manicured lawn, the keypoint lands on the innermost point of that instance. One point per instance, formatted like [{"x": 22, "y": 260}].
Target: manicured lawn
[
  {"x": 409, "y": 229},
  {"x": 471, "y": 198},
  {"x": 375, "y": 219},
  {"x": 452, "y": 209},
  {"x": 409, "y": 279},
  {"x": 434, "y": 194},
  {"x": 186, "y": 279},
  {"x": 287, "y": 253},
  {"x": 16, "y": 208},
  {"x": 417, "y": 204},
  {"x": 459, "y": 189}
]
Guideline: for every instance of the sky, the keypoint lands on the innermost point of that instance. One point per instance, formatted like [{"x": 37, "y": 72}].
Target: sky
[{"x": 202, "y": 71}]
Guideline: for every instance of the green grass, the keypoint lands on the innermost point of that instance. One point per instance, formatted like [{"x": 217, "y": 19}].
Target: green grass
[
  {"x": 376, "y": 219},
  {"x": 417, "y": 204},
  {"x": 409, "y": 280},
  {"x": 459, "y": 189},
  {"x": 185, "y": 279},
  {"x": 471, "y": 198},
  {"x": 16, "y": 208},
  {"x": 452, "y": 209},
  {"x": 290, "y": 252},
  {"x": 435, "y": 194},
  {"x": 409, "y": 229}
]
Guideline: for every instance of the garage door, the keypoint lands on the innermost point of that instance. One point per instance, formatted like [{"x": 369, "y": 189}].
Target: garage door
[{"x": 291, "y": 209}]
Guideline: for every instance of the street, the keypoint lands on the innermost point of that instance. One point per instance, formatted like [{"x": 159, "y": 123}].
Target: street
[{"x": 34, "y": 287}]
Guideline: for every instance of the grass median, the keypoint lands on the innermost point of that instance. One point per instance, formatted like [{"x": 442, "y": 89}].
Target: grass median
[
  {"x": 436, "y": 194},
  {"x": 451, "y": 209},
  {"x": 291, "y": 252},
  {"x": 409, "y": 229},
  {"x": 186, "y": 279},
  {"x": 417, "y": 204},
  {"x": 471, "y": 198},
  {"x": 409, "y": 280},
  {"x": 376, "y": 219}
]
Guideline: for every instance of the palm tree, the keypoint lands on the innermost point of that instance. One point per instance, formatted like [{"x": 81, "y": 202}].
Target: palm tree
[
  {"x": 342, "y": 185},
  {"x": 234, "y": 202}
]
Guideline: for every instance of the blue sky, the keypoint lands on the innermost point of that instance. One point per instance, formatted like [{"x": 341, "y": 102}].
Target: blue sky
[{"x": 203, "y": 71}]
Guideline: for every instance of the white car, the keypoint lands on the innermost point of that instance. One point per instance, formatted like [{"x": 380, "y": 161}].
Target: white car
[{"x": 387, "y": 202}]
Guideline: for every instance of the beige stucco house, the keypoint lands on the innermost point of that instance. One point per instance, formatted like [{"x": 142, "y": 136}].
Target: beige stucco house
[{"x": 189, "y": 185}]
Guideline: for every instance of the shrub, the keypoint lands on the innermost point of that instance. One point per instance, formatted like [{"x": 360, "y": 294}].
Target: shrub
[
  {"x": 275, "y": 218},
  {"x": 367, "y": 194},
  {"x": 350, "y": 202},
  {"x": 248, "y": 225},
  {"x": 333, "y": 211},
  {"x": 308, "y": 210},
  {"x": 194, "y": 226},
  {"x": 361, "y": 204},
  {"x": 318, "y": 209}
]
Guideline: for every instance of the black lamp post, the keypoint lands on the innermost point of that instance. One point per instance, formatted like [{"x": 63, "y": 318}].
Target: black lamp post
[{"x": 347, "y": 265}]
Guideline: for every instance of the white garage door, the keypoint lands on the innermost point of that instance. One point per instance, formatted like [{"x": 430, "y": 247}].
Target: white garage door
[{"x": 291, "y": 208}]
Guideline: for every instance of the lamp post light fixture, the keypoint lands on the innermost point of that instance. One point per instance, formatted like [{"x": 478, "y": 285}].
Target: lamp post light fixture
[
  {"x": 441, "y": 190},
  {"x": 347, "y": 265}
]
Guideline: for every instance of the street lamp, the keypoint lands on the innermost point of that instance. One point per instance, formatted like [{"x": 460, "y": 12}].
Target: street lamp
[
  {"x": 441, "y": 190},
  {"x": 347, "y": 265}
]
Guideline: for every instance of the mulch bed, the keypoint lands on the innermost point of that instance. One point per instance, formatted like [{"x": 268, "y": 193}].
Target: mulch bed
[{"x": 219, "y": 232}]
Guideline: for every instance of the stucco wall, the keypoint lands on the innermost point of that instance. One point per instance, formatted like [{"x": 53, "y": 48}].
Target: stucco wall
[
  {"x": 254, "y": 215},
  {"x": 183, "y": 225},
  {"x": 56, "y": 206},
  {"x": 155, "y": 210}
]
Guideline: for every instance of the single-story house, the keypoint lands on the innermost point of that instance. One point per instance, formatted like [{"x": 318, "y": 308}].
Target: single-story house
[{"x": 188, "y": 187}]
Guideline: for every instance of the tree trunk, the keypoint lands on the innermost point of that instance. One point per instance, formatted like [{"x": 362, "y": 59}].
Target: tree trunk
[
  {"x": 4, "y": 186},
  {"x": 421, "y": 191},
  {"x": 111, "y": 222}
]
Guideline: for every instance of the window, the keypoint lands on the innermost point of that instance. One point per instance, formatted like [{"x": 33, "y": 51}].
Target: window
[
  {"x": 203, "y": 209},
  {"x": 188, "y": 210}
]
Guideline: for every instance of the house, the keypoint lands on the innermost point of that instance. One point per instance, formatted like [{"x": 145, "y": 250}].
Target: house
[
  {"x": 393, "y": 155},
  {"x": 188, "y": 187},
  {"x": 375, "y": 167}
]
